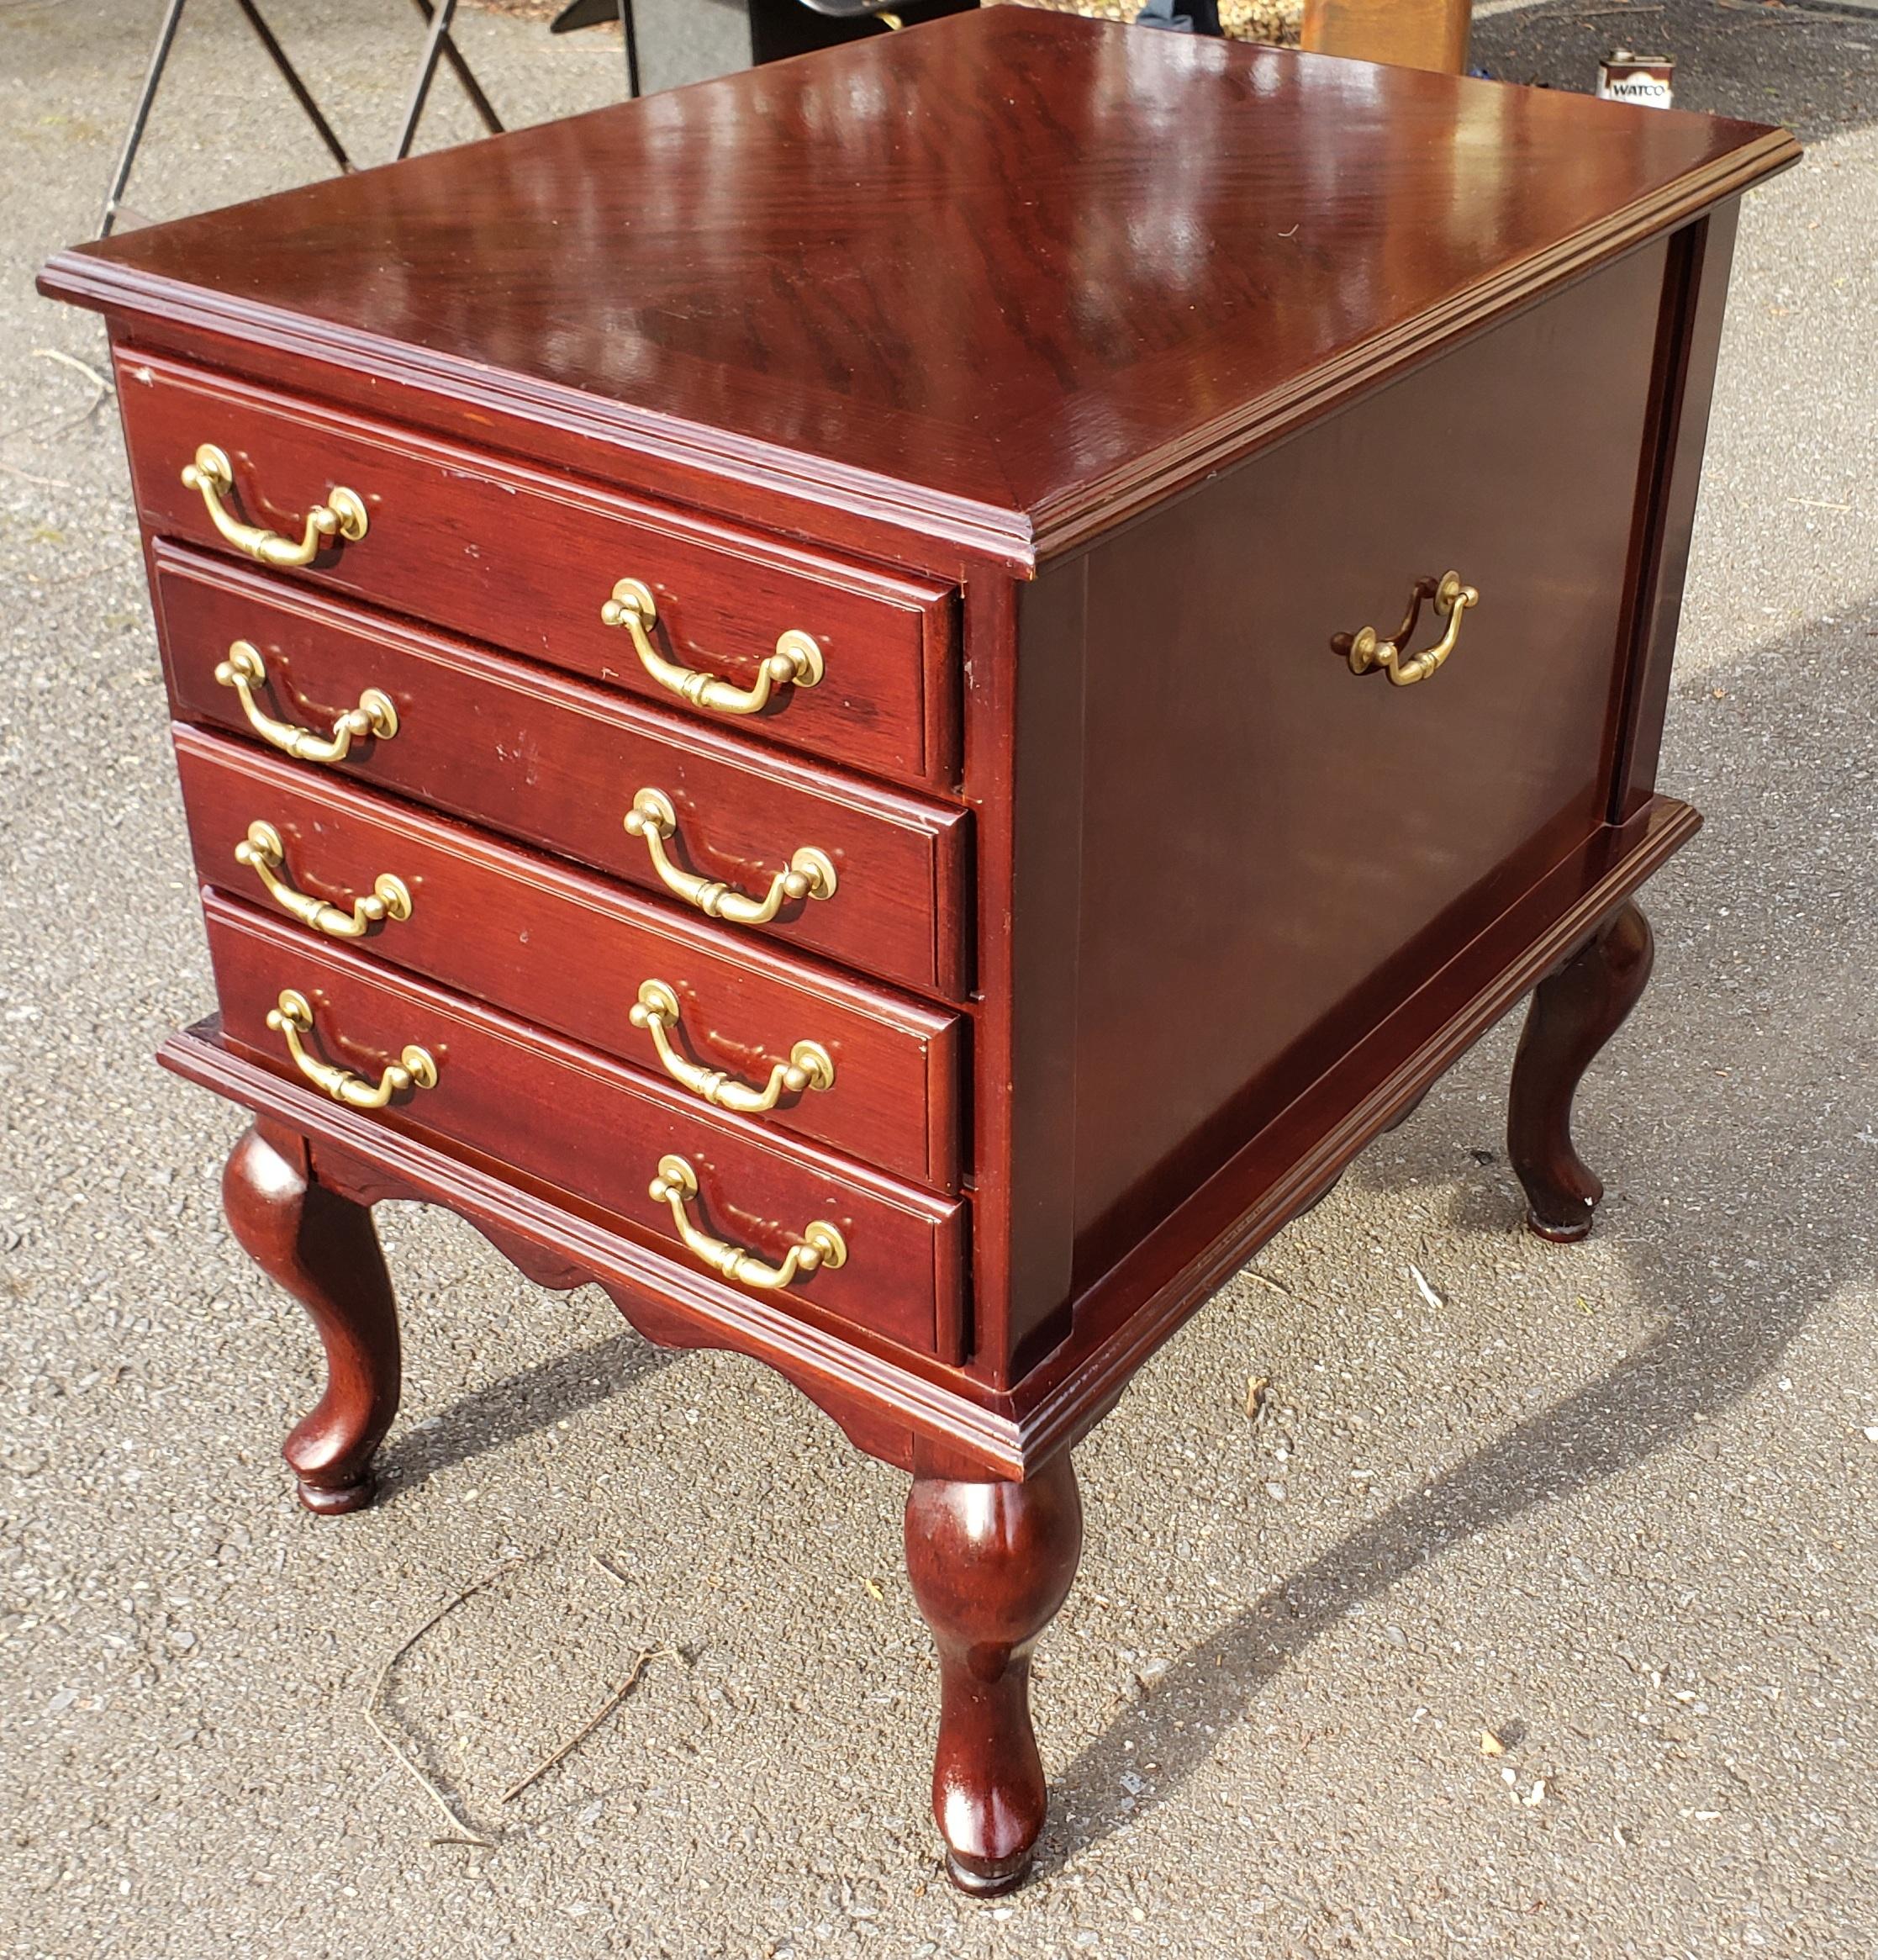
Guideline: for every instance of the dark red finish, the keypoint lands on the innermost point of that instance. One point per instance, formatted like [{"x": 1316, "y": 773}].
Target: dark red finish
[
  {"x": 1231, "y": 349},
  {"x": 557, "y": 762},
  {"x": 907, "y": 1408},
  {"x": 1575, "y": 1011},
  {"x": 885, "y": 1399},
  {"x": 575, "y": 1123},
  {"x": 322, "y": 1248},
  {"x": 1296, "y": 845},
  {"x": 1305, "y": 1144},
  {"x": 568, "y": 950},
  {"x": 526, "y": 560},
  {"x": 1007, "y": 280},
  {"x": 990, "y": 1565}
]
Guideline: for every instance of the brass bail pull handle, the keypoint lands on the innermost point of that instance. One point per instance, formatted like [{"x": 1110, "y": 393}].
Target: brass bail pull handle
[
  {"x": 797, "y": 661},
  {"x": 292, "y": 1016},
  {"x": 819, "y": 1245},
  {"x": 810, "y": 874},
  {"x": 262, "y": 853},
  {"x": 808, "y": 1066},
  {"x": 342, "y": 515},
  {"x": 1369, "y": 649},
  {"x": 244, "y": 670}
]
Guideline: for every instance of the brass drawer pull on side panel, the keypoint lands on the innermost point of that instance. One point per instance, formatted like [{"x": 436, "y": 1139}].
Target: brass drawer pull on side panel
[
  {"x": 820, "y": 1245},
  {"x": 244, "y": 670},
  {"x": 342, "y": 515},
  {"x": 808, "y": 1066},
  {"x": 1367, "y": 650},
  {"x": 797, "y": 661},
  {"x": 262, "y": 853},
  {"x": 292, "y": 1016},
  {"x": 810, "y": 874}
]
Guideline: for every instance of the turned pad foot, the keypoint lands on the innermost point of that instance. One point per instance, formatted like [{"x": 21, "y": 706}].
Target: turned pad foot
[
  {"x": 986, "y": 1878},
  {"x": 1562, "y": 1235},
  {"x": 335, "y": 1503},
  {"x": 989, "y": 1564}
]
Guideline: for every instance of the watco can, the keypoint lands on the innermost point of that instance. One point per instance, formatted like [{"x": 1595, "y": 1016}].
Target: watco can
[{"x": 1646, "y": 79}]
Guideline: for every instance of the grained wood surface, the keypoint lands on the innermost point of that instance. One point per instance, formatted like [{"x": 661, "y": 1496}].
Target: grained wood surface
[
  {"x": 885, "y": 1395},
  {"x": 1020, "y": 271},
  {"x": 1355, "y": 1090},
  {"x": 1693, "y": 342},
  {"x": 553, "y": 945},
  {"x": 553, "y": 761},
  {"x": 1410, "y": 34},
  {"x": 525, "y": 560},
  {"x": 990, "y": 1565},
  {"x": 566, "y": 1117},
  {"x": 970, "y": 302}
]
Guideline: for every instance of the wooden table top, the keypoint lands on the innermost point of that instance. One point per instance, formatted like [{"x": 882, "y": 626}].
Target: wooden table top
[{"x": 1016, "y": 265}]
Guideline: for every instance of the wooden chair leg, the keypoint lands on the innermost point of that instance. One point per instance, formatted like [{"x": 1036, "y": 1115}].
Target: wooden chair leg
[
  {"x": 1575, "y": 1011},
  {"x": 990, "y": 1563},
  {"x": 322, "y": 1248}
]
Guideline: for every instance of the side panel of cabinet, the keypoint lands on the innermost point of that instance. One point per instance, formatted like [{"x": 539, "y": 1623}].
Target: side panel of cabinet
[
  {"x": 1275, "y": 847},
  {"x": 1701, "y": 258}
]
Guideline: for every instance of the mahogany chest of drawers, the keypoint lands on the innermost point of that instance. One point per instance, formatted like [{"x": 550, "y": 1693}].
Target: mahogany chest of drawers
[{"x": 892, "y": 703}]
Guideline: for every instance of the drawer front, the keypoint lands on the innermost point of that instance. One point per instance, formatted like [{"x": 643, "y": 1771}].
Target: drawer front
[
  {"x": 527, "y": 560},
  {"x": 590, "y": 1127},
  {"x": 558, "y": 763},
  {"x": 574, "y": 953}
]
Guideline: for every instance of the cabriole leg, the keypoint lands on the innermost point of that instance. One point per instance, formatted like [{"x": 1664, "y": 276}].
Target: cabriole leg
[
  {"x": 990, "y": 1563},
  {"x": 1575, "y": 1011},
  {"x": 321, "y": 1248}
]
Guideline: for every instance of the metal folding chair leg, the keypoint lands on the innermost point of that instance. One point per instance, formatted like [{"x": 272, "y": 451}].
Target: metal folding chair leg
[
  {"x": 438, "y": 44},
  {"x": 159, "y": 60},
  {"x": 629, "y": 35},
  {"x": 291, "y": 76}
]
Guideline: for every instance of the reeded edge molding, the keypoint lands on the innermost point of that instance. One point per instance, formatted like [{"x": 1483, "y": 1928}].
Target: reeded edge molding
[
  {"x": 1012, "y": 537},
  {"x": 1056, "y": 1399},
  {"x": 978, "y": 530}
]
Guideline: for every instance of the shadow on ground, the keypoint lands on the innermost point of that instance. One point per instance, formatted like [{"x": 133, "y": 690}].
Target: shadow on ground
[
  {"x": 516, "y": 1407},
  {"x": 1713, "y": 1346}
]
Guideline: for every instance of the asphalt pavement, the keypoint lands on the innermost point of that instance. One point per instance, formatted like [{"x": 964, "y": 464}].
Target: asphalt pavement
[{"x": 1534, "y": 1616}]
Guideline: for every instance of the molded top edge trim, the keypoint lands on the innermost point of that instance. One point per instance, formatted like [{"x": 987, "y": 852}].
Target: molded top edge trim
[
  {"x": 1006, "y": 535},
  {"x": 107, "y": 287}
]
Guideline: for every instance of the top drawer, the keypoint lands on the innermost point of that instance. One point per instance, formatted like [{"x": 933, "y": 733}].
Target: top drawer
[{"x": 526, "y": 559}]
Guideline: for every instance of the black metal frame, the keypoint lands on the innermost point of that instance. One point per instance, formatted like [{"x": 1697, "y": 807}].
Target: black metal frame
[
  {"x": 159, "y": 60},
  {"x": 440, "y": 45}
]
